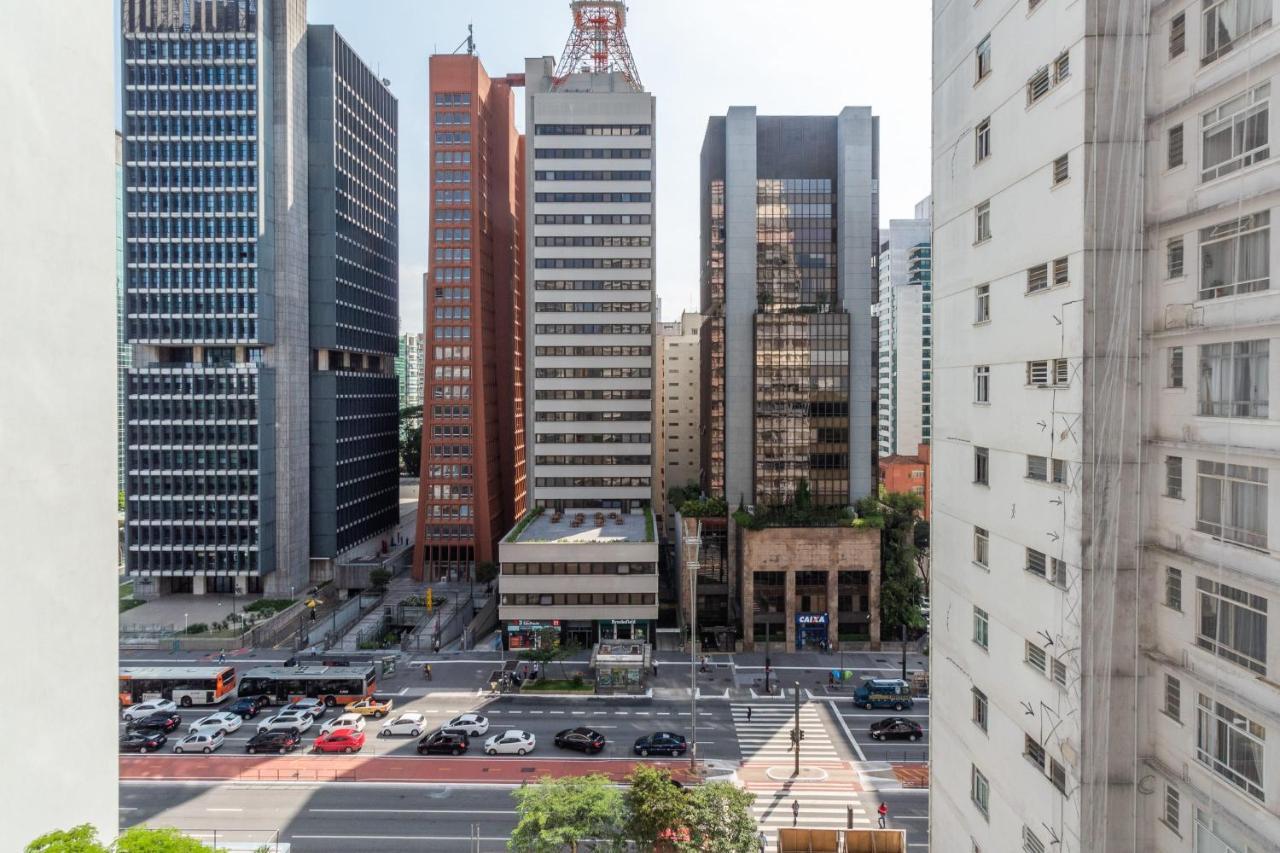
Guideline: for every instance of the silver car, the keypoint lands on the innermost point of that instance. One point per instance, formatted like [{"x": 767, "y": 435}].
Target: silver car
[{"x": 202, "y": 741}]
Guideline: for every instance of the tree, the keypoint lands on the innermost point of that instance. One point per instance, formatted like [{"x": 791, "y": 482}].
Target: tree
[
  {"x": 654, "y": 804},
  {"x": 900, "y": 582},
  {"x": 379, "y": 578},
  {"x": 558, "y": 813},
  {"x": 411, "y": 440},
  {"x": 137, "y": 839},
  {"x": 486, "y": 571},
  {"x": 548, "y": 649},
  {"x": 721, "y": 820},
  {"x": 78, "y": 839}
]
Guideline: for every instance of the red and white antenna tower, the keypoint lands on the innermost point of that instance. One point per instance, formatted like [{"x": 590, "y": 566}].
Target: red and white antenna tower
[{"x": 598, "y": 42}]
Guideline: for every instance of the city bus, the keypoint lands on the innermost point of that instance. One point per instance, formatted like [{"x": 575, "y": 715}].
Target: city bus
[
  {"x": 334, "y": 685},
  {"x": 186, "y": 685}
]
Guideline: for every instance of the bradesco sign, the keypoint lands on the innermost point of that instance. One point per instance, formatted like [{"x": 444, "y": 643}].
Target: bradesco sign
[{"x": 811, "y": 618}]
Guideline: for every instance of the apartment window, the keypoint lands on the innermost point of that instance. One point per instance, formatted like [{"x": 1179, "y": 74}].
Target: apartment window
[
  {"x": 1038, "y": 373},
  {"x": 1173, "y": 152},
  {"x": 1234, "y": 379},
  {"x": 979, "y": 708},
  {"x": 982, "y": 222},
  {"x": 1228, "y": 21},
  {"x": 1061, "y": 67},
  {"x": 981, "y": 466},
  {"x": 982, "y": 303},
  {"x": 1061, "y": 170},
  {"x": 1234, "y": 134},
  {"x": 1172, "y": 807},
  {"x": 1030, "y": 843},
  {"x": 1177, "y": 35},
  {"x": 1038, "y": 85},
  {"x": 1174, "y": 256},
  {"x": 1033, "y": 751},
  {"x": 1235, "y": 256},
  {"x": 1231, "y": 502},
  {"x": 1061, "y": 271},
  {"x": 1233, "y": 624},
  {"x": 982, "y": 140},
  {"x": 1061, "y": 372},
  {"x": 982, "y": 384},
  {"x": 1173, "y": 588},
  {"x": 981, "y": 545},
  {"x": 1035, "y": 656},
  {"x": 983, "y": 56},
  {"x": 1059, "y": 570},
  {"x": 1058, "y": 775},
  {"x": 1059, "y": 672},
  {"x": 1173, "y": 477},
  {"x": 1038, "y": 278},
  {"x": 1037, "y": 563},
  {"x": 979, "y": 790},
  {"x": 980, "y": 627},
  {"x": 1174, "y": 378},
  {"x": 1173, "y": 697},
  {"x": 1038, "y": 468},
  {"x": 1230, "y": 744}
]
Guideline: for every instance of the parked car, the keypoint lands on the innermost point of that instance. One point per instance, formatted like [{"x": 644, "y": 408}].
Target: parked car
[
  {"x": 661, "y": 742},
  {"x": 510, "y": 742},
  {"x": 582, "y": 739},
  {"x": 355, "y": 722},
  {"x": 340, "y": 740},
  {"x": 287, "y": 721},
  {"x": 146, "y": 709},
  {"x": 222, "y": 721},
  {"x": 206, "y": 741},
  {"x": 164, "y": 721},
  {"x": 247, "y": 706},
  {"x": 409, "y": 723},
  {"x": 473, "y": 725},
  {"x": 883, "y": 693},
  {"x": 897, "y": 728},
  {"x": 314, "y": 707},
  {"x": 370, "y": 707},
  {"x": 142, "y": 741},
  {"x": 443, "y": 743},
  {"x": 273, "y": 741}
]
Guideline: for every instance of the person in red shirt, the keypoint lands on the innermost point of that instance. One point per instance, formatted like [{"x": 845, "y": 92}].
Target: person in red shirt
[{"x": 884, "y": 813}]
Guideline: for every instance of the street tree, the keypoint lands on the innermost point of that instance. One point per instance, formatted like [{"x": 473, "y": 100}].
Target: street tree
[
  {"x": 654, "y": 805},
  {"x": 900, "y": 583},
  {"x": 557, "y": 813},
  {"x": 137, "y": 839},
  {"x": 720, "y": 819},
  {"x": 547, "y": 649}
]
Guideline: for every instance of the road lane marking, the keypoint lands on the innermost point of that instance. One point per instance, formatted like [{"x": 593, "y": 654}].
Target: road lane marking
[{"x": 214, "y": 809}]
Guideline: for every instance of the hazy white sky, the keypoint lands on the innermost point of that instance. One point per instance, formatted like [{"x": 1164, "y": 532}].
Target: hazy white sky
[{"x": 698, "y": 57}]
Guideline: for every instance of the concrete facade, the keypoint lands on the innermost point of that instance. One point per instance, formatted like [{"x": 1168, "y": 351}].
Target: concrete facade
[
  {"x": 903, "y": 383},
  {"x": 679, "y": 411},
  {"x": 409, "y": 361}
]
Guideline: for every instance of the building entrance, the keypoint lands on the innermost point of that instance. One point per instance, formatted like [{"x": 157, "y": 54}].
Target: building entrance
[{"x": 811, "y": 631}]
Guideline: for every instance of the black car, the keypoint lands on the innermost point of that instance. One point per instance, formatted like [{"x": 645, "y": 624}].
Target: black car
[
  {"x": 897, "y": 728},
  {"x": 165, "y": 721},
  {"x": 661, "y": 742},
  {"x": 443, "y": 743},
  {"x": 273, "y": 741},
  {"x": 585, "y": 740},
  {"x": 247, "y": 706},
  {"x": 142, "y": 741}
]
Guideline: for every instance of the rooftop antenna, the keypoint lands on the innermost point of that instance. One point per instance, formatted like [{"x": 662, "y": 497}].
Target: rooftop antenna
[
  {"x": 598, "y": 42},
  {"x": 469, "y": 41}
]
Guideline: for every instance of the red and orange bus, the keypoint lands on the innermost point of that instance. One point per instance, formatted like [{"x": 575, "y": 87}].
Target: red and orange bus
[
  {"x": 333, "y": 685},
  {"x": 186, "y": 685}
]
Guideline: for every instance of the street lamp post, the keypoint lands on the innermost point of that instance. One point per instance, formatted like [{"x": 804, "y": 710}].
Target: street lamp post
[
  {"x": 184, "y": 623},
  {"x": 796, "y": 730},
  {"x": 904, "y": 652}
]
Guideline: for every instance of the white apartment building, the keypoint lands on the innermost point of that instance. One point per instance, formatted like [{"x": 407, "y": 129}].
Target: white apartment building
[
  {"x": 903, "y": 387},
  {"x": 1102, "y": 664},
  {"x": 409, "y": 368},
  {"x": 680, "y": 414}
]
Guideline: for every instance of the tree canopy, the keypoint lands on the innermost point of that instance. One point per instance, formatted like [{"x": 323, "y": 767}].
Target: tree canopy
[
  {"x": 559, "y": 813},
  {"x": 136, "y": 839}
]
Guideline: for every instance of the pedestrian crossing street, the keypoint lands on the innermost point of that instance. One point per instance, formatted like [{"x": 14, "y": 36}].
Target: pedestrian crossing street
[{"x": 767, "y": 736}]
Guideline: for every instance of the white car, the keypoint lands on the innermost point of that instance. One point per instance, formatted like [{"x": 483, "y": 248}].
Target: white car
[
  {"x": 206, "y": 741},
  {"x": 411, "y": 723},
  {"x": 285, "y": 721},
  {"x": 471, "y": 725},
  {"x": 314, "y": 707},
  {"x": 146, "y": 709},
  {"x": 222, "y": 721},
  {"x": 511, "y": 741},
  {"x": 355, "y": 722}
]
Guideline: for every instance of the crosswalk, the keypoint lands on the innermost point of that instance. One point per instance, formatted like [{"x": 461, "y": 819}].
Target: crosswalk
[
  {"x": 818, "y": 809},
  {"x": 767, "y": 735}
]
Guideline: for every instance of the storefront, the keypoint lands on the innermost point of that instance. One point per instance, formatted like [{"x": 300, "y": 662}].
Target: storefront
[
  {"x": 811, "y": 630},
  {"x": 526, "y": 634},
  {"x": 620, "y": 667},
  {"x": 580, "y": 632},
  {"x": 624, "y": 629}
]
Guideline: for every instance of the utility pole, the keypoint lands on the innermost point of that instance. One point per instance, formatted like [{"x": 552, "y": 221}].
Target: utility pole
[
  {"x": 904, "y": 652},
  {"x": 796, "y": 734},
  {"x": 693, "y": 565}
]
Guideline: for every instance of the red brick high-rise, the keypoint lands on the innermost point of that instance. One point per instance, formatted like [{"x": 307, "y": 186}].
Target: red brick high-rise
[{"x": 473, "y": 455}]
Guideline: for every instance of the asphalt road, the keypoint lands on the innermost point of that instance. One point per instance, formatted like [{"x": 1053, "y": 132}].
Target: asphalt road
[{"x": 859, "y": 723}]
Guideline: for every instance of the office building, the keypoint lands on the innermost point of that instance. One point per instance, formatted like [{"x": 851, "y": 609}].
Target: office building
[
  {"x": 124, "y": 352},
  {"x": 680, "y": 409},
  {"x": 1103, "y": 186},
  {"x": 473, "y": 437},
  {"x": 588, "y": 564},
  {"x": 904, "y": 319},
  {"x": 409, "y": 360},
  {"x": 58, "y": 458},
  {"x": 353, "y": 121}
]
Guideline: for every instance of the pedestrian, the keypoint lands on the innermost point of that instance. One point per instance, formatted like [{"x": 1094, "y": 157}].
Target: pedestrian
[
  {"x": 427, "y": 671},
  {"x": 831, "y": 679},
  {"x": 795, "y": 812},
  {"x": 762, "y": 841},
  {"x": 884, "y": 813},
  {"x": 655, "y": 669},
  {"x": 748, "y": 713},
  {"x": 222, "y": 655},
  {"x": 435, "y": 645}
]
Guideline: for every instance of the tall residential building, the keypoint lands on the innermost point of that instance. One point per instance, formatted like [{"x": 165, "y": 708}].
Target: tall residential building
[
  {"x": 903, "y": 315},
  {"x": 588, "y": 565},
  {"x": 473, "y": 436},
  {"x": 680, "y": 404},
  {"x": 789, "y": 246},
  {"x": 58, "y": 457},
  {"x": 410, "y": 355},
  {"x": 1102, "y": 453},
  {"x": 354, "y": 299},
  {"x": 124, "y": 352}
]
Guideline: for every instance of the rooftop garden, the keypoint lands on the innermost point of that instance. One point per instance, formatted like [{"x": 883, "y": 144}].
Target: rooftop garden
[{"x": 800, "y": 511}]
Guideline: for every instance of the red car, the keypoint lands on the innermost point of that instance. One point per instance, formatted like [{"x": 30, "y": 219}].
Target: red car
[{"x": 340, "y": 740}]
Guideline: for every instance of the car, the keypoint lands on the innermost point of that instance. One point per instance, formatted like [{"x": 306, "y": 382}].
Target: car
[
  {"x": 355, "y": 722},
  {"x": 512, "y": 741},
  {"x": 582, "y": 739},
  {"x": 247, "y": 706},
  {"x": 409, "y": 723},
  {"x": 897, "y": 728},
  {"x": 469, "y": 724},
  {"x": 314, "y": 707},
  {"x": 443, "y": 743},
  {"x": 370, "y": 707},
  {"x": 142, "y": 741},
  {"x": 206, "y": 741},
  {"x": 165, "y": 721},
  {"x": 883, "y": 693},
  {"x": 339, "y": 740},
  {"x": 661, "y": 742},
  {"x": 146, "y": 709},
  {"x": 273, "y": 741},
  {"x": 287, "y": 721},
  {"x": 221, "y": 721}
]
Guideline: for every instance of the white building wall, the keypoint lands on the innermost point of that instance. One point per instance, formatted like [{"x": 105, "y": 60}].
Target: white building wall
[
  {"x": 900, "y": 313},
  {"x": 57, "y": 438},
  {"x": 678, "y": 408}
]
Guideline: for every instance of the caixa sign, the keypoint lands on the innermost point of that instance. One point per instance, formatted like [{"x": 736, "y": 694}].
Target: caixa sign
[{"x": 811, "y": 618}]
